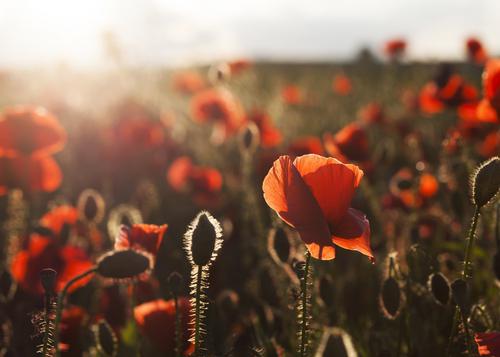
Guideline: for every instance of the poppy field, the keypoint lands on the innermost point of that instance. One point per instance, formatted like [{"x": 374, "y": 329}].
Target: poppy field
[{"x": 252, "y": 208}]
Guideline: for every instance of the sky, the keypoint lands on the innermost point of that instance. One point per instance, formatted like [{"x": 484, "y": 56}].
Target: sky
[{"x": 181, "y": 32}]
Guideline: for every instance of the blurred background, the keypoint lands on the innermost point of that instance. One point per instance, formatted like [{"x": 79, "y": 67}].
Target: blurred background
[{"x": 178, "y": 33}]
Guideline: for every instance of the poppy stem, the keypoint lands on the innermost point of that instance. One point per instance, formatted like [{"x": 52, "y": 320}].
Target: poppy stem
[
  {"x": 467, "y": 270},
  {"x": 46, "y": 336},
  {"x": 197, "y": 321},
  {"x": 466, "y": 274},
  {"x": 304, "y": 317},
  {"x": 60, "y": 305}
]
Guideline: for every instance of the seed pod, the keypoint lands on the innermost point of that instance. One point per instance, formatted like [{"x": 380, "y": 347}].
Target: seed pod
[
  {"x": 439, "y": 288},
  {"x": 203, "y": 239},
  {"x": 279, "y": 246},
  {"x": 390, "y": 298},
  {"x": 486, "y": 182},
  {"x": 48, "y": 278},
  {"x": 459, "y": 293},
  {"x": 123, "y": 264},
  {"x": 174, "y": 282},
  {"x": 105, "y": 339}
]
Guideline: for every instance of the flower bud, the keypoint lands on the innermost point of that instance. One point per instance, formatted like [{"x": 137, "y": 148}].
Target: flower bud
[
  {"x": 48, "y": 279},
  {"x": 390, "y": 298},
  {"x": 105, "y": 339},
  {"x": 439, "y": 287},
  {"x": 486, "y": 182},
  {"x": 203, "y": 239},
  {"x": 123, "y": 264},
  {"x": 459, "y": 293},
  {"x": 91, "y": 206},
  {"x": 249, "y": 138}
]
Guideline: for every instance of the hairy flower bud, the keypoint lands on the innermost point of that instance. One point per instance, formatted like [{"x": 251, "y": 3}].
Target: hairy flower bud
[
  {"x": 203, "y": 239},
  {"x": 486, "y": 182}
]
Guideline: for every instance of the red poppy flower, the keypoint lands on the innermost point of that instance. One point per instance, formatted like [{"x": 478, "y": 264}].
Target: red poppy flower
[
  {"x": 203, "y": 182},
  {"x": 489, "y": 107},
  {"x": 43, "y": 252},
  {"x": 292, "y": 95},
  {"x": 29, "y": 173},
  {"x": 395, "y": 49},
  {"x": 156, "y": 320},
  {"x": 29, "y": 131},
  {"x": 270, "y": 136},
  {"x": 428, "y": 185},
  {"x": 219, "y": 107},
  {"x": 135, "y": 126},
  {"x": 342, "y": 84},
  {"x": 58, "y": 217},
  {"x": 239, "y": 65},
  {"x": 488, "y": 343},
  {"x": 188, "y": 82},
  {"x": 306, "y": 145},
  {"x": 147, "y": 237},
  {"x": 475, "y": 51},
  {"x": 401, "y": 188},
  {"x": 313, "y": 194},
  {"x": 350, "y": 143},
  {"x": 447, "y": 90}
]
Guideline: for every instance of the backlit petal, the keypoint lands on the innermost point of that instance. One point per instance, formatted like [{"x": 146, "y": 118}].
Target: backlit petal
[
  {"x": 353, "y": 233},
  {"x": 287, "y": 194},
  {"x": 331, "y": 182}
]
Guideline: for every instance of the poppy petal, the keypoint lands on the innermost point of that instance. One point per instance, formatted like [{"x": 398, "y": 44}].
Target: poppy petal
[
  {"x": 486, "y": 112},
  {"x": 287, "y": 193},
  {"x": 353, "y": 233},
  {"x": 331, "y": 182}
]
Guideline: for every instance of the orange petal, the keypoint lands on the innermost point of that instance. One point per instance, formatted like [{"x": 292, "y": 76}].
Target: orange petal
[
  {"x": 178, "y": 172},
  {"x": 287, "y": 193},
  {"x": 331, "y": 182},
  {"x": 353, "y": 233},
  {"x": 486, "y": 112}
]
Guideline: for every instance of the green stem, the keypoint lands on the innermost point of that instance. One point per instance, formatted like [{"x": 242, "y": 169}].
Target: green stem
[
  {"x": 466, "y": 274},
  {"x": 470, "y": 243},
  {"x": 47, "y": 322},
  {"x": 177, "y": 327},
  {"x": 197, "y": 333},
  {"x": 60, "y": 304},
  {"x": 303, "y": 324}
]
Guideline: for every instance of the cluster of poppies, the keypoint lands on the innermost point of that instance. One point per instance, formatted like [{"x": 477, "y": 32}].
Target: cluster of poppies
[{"x": 390, "y": 184}]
